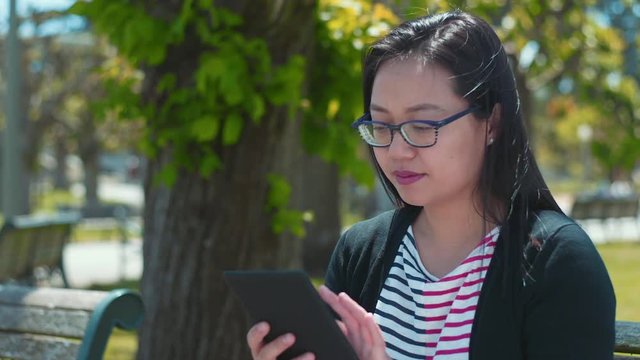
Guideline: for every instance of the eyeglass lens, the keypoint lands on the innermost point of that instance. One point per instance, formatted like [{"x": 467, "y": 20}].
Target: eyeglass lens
[{"x": 417, "y": 134}]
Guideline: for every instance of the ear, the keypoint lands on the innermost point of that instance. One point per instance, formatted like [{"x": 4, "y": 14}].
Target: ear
[{"x": 493, "y": 123}]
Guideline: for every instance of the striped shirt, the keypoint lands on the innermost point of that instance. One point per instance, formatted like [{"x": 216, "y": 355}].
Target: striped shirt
[{"x": 423, "y": 317}]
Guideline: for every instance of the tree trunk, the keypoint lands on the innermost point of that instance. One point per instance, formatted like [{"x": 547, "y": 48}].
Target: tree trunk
[
  {"x": 90, "y": 166},
  {"x": 60, "y": 178},
  {"x": 320, "y": 186},
  {"x": 89, "y": 150},
  {"x": 200, "y": 227}
]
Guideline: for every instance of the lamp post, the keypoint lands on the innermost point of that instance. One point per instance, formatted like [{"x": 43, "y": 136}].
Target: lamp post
[{"x": 585, "y": 133}]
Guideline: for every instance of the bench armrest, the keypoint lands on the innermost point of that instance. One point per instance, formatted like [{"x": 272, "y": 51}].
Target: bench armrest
[{"x": 121, "y": 308}]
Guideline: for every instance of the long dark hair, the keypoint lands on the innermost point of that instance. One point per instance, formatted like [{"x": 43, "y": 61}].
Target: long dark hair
[{"x": 511, "y": 185}]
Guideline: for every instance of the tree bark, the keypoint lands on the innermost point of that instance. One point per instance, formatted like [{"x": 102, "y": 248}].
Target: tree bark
[
  {"x": 320, "y": 187},
  {"x": 60, "y": 178},
  {"x": 200, "y": 227}
]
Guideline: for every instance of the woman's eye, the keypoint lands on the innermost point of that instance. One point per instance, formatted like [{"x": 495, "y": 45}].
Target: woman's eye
[{"x": 421, "y": 127}]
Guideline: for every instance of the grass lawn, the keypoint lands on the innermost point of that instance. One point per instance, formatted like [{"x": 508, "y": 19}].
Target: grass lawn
[
  {"x": 624, "y": 268},
  {"x": 122, "y": 345}
]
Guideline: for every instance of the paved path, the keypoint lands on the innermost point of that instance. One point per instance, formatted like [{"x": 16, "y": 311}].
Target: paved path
[{"x": 102, "y": 262}]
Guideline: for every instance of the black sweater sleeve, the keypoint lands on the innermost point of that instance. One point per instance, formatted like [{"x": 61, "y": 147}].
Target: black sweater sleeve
[{"x": 571, "y": 311}]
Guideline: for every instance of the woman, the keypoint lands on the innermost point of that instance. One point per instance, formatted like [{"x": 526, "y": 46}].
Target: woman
[{"x": 478, "y": 261}]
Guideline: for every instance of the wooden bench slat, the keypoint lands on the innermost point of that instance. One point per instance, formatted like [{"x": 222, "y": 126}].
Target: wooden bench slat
[
  {"x": 627, "y": 337},
  {"x": 50, "y": 297},
  {"x": 27, "y": 347},
  {"x": 64, "y": 323},
  {"x": 52, "y": 324}
]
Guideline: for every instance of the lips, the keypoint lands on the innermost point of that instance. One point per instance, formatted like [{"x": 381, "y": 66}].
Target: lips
[{"x": 404, "y": 177}]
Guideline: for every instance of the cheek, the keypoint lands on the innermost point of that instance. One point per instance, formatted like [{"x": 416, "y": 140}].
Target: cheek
[{"x": 380, "y": 157}]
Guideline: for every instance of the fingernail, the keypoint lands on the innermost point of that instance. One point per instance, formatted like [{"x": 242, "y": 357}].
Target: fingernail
[{"x": 288, "y": 338}]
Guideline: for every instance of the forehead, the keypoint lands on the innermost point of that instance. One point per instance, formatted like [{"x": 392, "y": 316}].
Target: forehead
[{"x": 410, "y": 81}]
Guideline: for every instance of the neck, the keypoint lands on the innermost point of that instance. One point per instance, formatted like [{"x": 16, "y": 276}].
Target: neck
[{"x": 452, "y": 225}]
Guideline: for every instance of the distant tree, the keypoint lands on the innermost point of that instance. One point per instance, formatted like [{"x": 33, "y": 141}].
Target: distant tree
[
  {"x": 568, "y": 66},
  {"x": 231, "y": 94}
]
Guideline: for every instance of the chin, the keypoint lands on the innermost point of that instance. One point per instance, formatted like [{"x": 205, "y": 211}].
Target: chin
[{"x": 415, "y": 200}]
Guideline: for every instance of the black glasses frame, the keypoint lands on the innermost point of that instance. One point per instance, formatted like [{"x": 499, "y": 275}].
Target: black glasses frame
[{"x": 436, "y": 124}]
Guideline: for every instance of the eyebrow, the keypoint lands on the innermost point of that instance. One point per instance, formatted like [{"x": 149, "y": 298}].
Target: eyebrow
[{"x": 410, "y": 109}]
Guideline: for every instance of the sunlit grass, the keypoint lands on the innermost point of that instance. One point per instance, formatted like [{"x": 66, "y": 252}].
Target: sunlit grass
[
  {"x": 122, "y": 345},
  {"x": 621, "y": 259}
]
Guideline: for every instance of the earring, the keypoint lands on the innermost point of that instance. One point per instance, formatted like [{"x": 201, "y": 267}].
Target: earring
[{"x": 490, "y": 141}]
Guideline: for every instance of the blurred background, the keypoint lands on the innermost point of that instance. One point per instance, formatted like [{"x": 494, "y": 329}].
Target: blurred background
[{"x": 197, "y": 136}]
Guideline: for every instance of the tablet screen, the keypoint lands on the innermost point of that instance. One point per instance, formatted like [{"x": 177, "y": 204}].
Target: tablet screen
[{"x": 287, "y": 300}]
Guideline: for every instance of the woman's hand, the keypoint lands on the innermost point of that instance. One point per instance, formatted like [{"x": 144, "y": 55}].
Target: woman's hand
[
  {"x": 358, "y": 326},
  {"x": 271, "y": 350}
]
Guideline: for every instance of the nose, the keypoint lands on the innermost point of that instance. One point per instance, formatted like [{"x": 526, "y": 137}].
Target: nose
[{"x": 400, "y": 148}]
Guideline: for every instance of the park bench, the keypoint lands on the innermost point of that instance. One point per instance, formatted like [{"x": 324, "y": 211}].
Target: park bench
[
  {"x": 627, "y": 340},
  {"x": 34, "y": 243},
  {"x": 606, "y": 209},
  {"x": 63, "y": 324}
]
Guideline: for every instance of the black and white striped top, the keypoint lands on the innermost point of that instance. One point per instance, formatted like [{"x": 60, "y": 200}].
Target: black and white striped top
[{"x": 423, "y": 317}]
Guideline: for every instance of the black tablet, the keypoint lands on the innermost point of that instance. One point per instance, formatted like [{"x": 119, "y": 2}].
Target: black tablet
[{"x": 287, "y": 300}]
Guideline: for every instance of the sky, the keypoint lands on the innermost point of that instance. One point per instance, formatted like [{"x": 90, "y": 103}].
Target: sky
[{"x": 23, "y": 7}]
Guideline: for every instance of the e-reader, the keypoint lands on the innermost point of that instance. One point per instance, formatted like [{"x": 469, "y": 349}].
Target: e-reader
[{"x": 288, "y": 301}]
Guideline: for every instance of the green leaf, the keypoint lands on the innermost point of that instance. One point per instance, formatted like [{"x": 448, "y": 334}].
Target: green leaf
[
  {"x": 209, "y": 164},
  {"x": 233, "y": 125},
  {"x": 279, "y": 191},
  {"x": 167, "y": 83},
  {"x": 232, "y": 77},
  {"x": 291, "y": 220},
  {"x": 255, "y": 107},
  {"x": 167, "y": 175},
  {"x": 205, "y": 128}
]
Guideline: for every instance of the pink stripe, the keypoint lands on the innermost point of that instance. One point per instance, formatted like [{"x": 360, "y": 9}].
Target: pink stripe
[
  {"x": 439, "y": 305},
  {"x": 468, "y": 296},
  {"x": 463, "y": 310},
  {"x": 473, "y": 282},
  {"x": 433, "y": 331},
  {"x": 454, "y": 337},
  {"x": 487, "y": 241},
  {"x": 440, "y": 292},
  {"x": 477, "y": 257},
  {"x": 452, "y": 351},
  {"x": 459, "y": 323},
  {"x": 435, "y": 318},
  {"x": 455, "y": 277},
  {"x": 453, "y": 289},
  {"x": 452, "y": 311}
]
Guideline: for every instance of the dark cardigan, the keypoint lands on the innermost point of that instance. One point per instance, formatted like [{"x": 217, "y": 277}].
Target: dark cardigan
[{"x": 563, "y": 308}]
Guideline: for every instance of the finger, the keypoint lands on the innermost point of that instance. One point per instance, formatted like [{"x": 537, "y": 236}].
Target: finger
[
  {"x": 352, "y": 316},
  {"x": 306, "y": 356},
  {"x": 255, "y": 337},
  {"x": 276, "y": 347},
  {"x": 352, "y": 306},
  {"x": 349, "y": 311},
  {"x": 334, "y": 302},
  {"x": 327, "y": 295},
  {"x": 342, "y": 327},
  {"x": 377, "y": 340}
]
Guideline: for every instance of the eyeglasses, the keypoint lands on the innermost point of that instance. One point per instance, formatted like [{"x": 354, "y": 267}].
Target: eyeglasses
[{"x": 418, "y": 133}]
